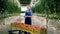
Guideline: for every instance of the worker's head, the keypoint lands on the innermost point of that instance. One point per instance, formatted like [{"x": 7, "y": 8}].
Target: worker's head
[{"x": 28, "y": 7}]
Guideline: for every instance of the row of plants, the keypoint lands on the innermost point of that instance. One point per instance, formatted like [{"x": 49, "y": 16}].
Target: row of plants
[
  {"x": 48, "y": 8},
  {"x": 8, "y": 8}
]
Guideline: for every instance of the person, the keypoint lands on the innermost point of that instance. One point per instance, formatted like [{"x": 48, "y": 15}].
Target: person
[{"x": 28, "y": 16}]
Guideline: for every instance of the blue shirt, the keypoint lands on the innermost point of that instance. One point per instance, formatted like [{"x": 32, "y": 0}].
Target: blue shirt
[{"x": 28, "y": 13}]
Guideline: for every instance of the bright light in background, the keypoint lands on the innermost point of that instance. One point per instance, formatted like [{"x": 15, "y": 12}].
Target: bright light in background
[{"x": 23, "y": 8}]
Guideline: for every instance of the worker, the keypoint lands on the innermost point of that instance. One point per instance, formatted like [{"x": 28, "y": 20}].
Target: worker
[{"x": 28, "y": 16}]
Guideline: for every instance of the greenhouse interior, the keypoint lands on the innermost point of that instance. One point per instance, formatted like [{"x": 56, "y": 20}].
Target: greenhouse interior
[{"x": 45, "y": 18}]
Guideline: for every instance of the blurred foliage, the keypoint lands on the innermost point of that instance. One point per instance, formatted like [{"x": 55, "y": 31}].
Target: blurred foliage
[
  {"x": 48, "y": 8},
  {"x": 25, "y": 2},
  {"x": 8, "y": 7}
]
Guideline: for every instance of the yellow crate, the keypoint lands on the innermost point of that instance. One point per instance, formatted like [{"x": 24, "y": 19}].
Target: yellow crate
[{"x": 27, "y": 28}]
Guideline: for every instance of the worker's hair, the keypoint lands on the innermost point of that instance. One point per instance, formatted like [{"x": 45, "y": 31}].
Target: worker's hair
[{"x": 28, "y": 6}]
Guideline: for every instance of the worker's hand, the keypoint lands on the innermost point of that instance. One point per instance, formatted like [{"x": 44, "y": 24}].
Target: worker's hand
[{"x": 27, "y": 16}]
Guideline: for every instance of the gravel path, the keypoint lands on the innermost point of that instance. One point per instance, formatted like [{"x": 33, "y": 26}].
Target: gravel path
[{"x": 38, "y": 21}]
